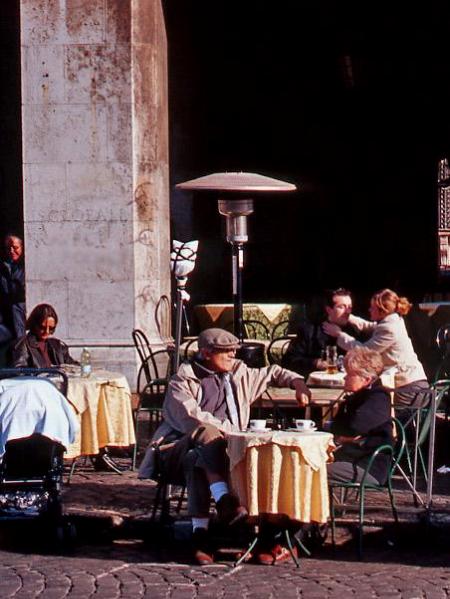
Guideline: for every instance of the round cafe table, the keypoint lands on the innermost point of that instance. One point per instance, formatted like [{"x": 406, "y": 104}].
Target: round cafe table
[
  {"x": 281, "y": 472},
  {"x": 102, "y": 402}
]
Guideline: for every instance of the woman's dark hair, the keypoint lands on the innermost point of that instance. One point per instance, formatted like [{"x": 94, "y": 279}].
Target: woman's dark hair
[{"x": 38, "y": 314}]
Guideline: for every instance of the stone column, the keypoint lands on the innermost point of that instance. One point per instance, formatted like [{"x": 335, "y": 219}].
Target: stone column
[{"x": 95, "y": 153}]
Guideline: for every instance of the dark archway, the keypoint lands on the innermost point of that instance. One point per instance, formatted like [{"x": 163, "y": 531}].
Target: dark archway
[
  {"x": 10, "y": 120},
  {"x": 349, "y": 106}
]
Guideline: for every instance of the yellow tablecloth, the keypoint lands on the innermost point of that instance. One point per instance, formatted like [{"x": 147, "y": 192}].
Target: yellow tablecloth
[
  {"x": 103, "y": 405},
  {"x": 323, "y": 379},
  {"x": 281, "y": 472}
]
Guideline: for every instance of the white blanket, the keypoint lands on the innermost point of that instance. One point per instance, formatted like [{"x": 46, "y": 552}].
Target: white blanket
[{"x": 29, "y": 405}]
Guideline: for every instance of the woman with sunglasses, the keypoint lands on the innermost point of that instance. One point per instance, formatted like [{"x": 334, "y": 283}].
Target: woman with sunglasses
[{"x": 38, "y": 349}]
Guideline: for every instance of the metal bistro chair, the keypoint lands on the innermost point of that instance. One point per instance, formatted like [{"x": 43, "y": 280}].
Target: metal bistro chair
[
  {"x": 151, "y": 386},
  {"x": 141, "y": 344},
  {"x": 277, "y": 348},
  {"x": 395, "y": 454},
  {"x": 443, "y": 366},
  {"x": 281, "y": 330},
  {"x": 255, "y": 329},
  {"x": 417, "y": 423}
]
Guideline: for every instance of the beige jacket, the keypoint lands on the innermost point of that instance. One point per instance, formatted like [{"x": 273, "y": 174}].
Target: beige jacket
[
  {"x": 181, "y": 409},
  {"x": 390, "y": 338}
]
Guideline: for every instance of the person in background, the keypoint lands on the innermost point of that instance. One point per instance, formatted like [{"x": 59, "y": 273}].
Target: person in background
[
  {"x": 12, "y": 290},
  {"x": 38, "y": 349},
  {"x": 390, "y": 338},
  {"x": 363, "y": 421},
  {"x": 305, "y": 353},
  {"x": 206, "y": 399}
]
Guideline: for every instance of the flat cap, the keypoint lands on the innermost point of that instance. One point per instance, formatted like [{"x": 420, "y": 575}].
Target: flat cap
[{"x": 217, "y": 339}]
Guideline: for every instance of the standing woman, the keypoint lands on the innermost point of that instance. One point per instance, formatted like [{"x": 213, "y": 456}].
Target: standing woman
[
  {"x": 37, "y": 349},
  {"x": 390, "y": 338}
]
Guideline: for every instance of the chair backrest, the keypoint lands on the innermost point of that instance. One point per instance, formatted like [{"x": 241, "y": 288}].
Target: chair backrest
[
  {"x": 153, "y": 376},
  {"x": 443, "y": 346},
  {"x": 281, "y": 329},
  {"x": 190, "y": 348},
  {"x": 277, "y": 348},
  {"x": 439, "y": 390},
  {"x": 255, "y": 329},
  {"x": 141, "y": 344},
  {"x": 400, "y": 444}
]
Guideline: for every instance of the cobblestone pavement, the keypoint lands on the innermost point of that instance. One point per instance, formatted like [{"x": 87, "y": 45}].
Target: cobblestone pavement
[
  {"x": 116, "y": 570},
  {"x": 117, "y": 556}
]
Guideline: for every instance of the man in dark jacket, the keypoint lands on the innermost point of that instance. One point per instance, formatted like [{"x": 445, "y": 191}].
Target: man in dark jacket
[
  {"x": 12, "y": 291},
  {"x": 306, "y": 352}
]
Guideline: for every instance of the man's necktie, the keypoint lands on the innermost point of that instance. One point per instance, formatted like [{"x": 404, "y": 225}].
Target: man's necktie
[{"x": 231, "y": 402}]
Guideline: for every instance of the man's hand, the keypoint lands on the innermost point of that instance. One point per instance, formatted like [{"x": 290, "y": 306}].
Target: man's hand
[
  {"x": 302, "y": 393},
  {"x": 331, "y": 329}
]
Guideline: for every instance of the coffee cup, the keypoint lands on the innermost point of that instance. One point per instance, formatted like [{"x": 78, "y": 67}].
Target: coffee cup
[
  {"x": 257, "y": 425},
  {"x": 304, "y": 425}
]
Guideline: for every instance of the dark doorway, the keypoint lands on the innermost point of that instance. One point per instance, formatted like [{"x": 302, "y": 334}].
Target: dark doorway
[
  {"x": 348, "y": 105},
  {"x": 10, "y": 120}
]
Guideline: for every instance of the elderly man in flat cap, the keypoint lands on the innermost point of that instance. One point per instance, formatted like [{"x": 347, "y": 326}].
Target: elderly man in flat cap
[{"x": 206, "y": 399}]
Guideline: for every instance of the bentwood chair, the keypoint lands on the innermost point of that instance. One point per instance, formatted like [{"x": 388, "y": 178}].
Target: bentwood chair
[
  {"x": 152, "y": 380},
  {"x": 394, "y": 454},
  {"x": 277, "y": 348},
  {"x": 417, "y": 423},
  {"x": 141, "y": 344}
]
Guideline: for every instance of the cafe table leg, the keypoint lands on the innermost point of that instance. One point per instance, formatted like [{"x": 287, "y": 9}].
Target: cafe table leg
[{"x": 248, "y": 552}]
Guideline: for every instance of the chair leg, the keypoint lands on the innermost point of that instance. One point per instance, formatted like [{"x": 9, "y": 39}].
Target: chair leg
[
  {"x": 245, "y": 555},
  {"x": 181, "y": 499},
  {"x": 422, "y": 463},
  {"x": 165, "y": 504},
  {"x": 361, "y": 522},
  {"x": 291, "y": 549},
  {"x": 157, "y": 500},
  {"x": 392, "y": 500},
  {"x": 332, "y": 516},
  {"x": 72, "y": 470},
  {"x": 135, "y": 449}
]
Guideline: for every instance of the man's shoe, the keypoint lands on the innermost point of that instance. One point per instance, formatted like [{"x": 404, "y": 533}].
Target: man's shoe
[
  {"x": 203, "y": 555},
  {"x": 229, "y": 511},
  {"x": 276, "y": 555}
]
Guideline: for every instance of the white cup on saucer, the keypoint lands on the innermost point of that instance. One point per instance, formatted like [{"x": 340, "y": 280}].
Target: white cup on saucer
[
  {"x": 304, "y": 425},
  {"x": 257, "y": 424}
]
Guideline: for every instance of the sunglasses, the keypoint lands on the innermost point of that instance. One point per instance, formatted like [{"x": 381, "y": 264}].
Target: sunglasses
[{"x": 46, "y": 329}]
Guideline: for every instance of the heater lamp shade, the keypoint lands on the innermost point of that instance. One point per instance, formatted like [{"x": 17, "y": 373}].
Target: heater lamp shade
[{"x": 237, "y": 182}]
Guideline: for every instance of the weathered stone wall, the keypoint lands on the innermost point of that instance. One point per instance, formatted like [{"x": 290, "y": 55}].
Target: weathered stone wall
[{"x": 96, "y": 168}]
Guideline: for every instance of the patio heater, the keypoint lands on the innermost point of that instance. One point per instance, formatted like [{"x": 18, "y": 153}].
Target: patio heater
[{"x": 236, "y": 191}]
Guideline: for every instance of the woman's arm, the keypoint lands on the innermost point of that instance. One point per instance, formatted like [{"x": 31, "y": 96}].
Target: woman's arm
[{"x": 381, "y": 339}]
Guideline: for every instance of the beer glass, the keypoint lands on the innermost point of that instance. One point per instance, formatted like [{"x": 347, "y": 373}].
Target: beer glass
[{"x": 331, "y": 358}]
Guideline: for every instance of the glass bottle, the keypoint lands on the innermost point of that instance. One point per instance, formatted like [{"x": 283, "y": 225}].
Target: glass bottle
[{"x": 85, "y": 362}]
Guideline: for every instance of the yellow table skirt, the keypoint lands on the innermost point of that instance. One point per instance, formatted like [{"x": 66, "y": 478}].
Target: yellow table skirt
[
  {"x": 103, "y": 405},
  {"x": 282, "y": 473}
]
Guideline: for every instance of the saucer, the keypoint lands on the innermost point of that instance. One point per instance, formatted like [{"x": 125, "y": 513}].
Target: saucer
[
  {"x": 311, "y": 429},
  {"x": 258, "y": 430}
]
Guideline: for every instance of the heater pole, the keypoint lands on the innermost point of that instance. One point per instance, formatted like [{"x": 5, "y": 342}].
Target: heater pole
[{"x": 237, "y": 267}]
